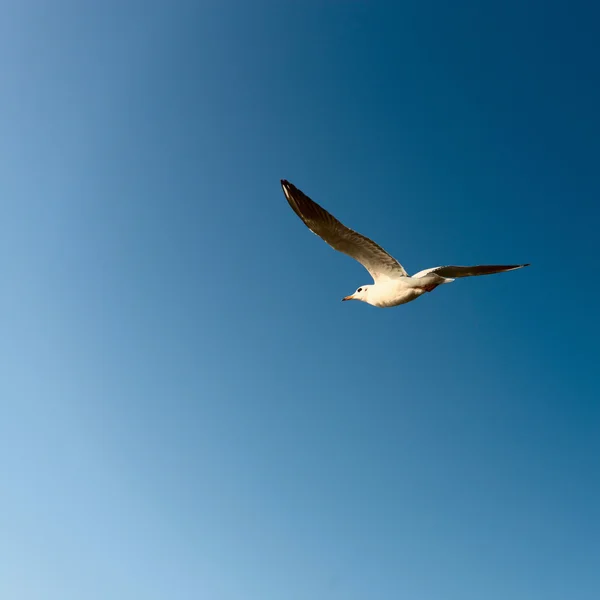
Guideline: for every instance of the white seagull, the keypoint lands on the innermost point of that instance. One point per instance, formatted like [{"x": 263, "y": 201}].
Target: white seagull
[{"x": 392, "y": 284}]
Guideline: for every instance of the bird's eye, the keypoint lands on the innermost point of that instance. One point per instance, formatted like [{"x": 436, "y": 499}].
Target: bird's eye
[{"x": 359, "y": 290}]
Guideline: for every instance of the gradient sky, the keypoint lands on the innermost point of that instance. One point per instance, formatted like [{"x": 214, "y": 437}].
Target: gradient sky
[{"x": 188, "y": 410}]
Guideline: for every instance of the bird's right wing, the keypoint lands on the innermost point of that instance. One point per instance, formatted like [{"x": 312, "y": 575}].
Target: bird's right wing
[
  {"x": 373, "y": 257},
  {"x": 453, "y": 271}
]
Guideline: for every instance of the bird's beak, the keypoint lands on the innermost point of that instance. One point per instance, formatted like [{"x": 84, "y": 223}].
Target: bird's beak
[{"x": 348, "y": 298}]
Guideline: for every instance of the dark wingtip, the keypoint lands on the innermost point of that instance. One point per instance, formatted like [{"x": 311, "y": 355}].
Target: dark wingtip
[{"x": 287, "y": 187}]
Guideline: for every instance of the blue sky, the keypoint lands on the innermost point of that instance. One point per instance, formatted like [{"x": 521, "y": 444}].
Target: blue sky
[{"x": 187, "y": 408}]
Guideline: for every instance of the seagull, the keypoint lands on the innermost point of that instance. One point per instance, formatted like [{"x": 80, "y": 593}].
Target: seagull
[{"x": 392, "y": 284}]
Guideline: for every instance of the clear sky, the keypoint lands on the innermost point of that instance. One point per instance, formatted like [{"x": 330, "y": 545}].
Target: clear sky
[{"x": 188, "y": 410}]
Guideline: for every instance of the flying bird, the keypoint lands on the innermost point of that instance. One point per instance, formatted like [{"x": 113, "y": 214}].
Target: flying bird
[{"x": 392, "y": 284}]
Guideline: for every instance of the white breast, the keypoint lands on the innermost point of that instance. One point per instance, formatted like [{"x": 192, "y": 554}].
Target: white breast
[{"x": 393, "y": 293}]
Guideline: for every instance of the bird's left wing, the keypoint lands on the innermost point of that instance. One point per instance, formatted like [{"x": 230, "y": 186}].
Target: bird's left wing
[{"x": 373, "y": 257}]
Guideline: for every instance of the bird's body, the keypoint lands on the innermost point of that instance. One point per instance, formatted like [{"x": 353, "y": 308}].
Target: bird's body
[
  {"x": 392, "y": 284},
  {"x": 400, "y": 291}
]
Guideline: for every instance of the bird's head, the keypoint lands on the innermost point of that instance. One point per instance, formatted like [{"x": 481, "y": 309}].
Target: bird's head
[{"x": 362, "y": 294}]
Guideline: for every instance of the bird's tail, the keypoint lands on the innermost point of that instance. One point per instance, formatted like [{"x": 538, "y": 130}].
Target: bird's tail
[
  {"x": 438, "y": 279},
  {"x": 430, "y": 281}
]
